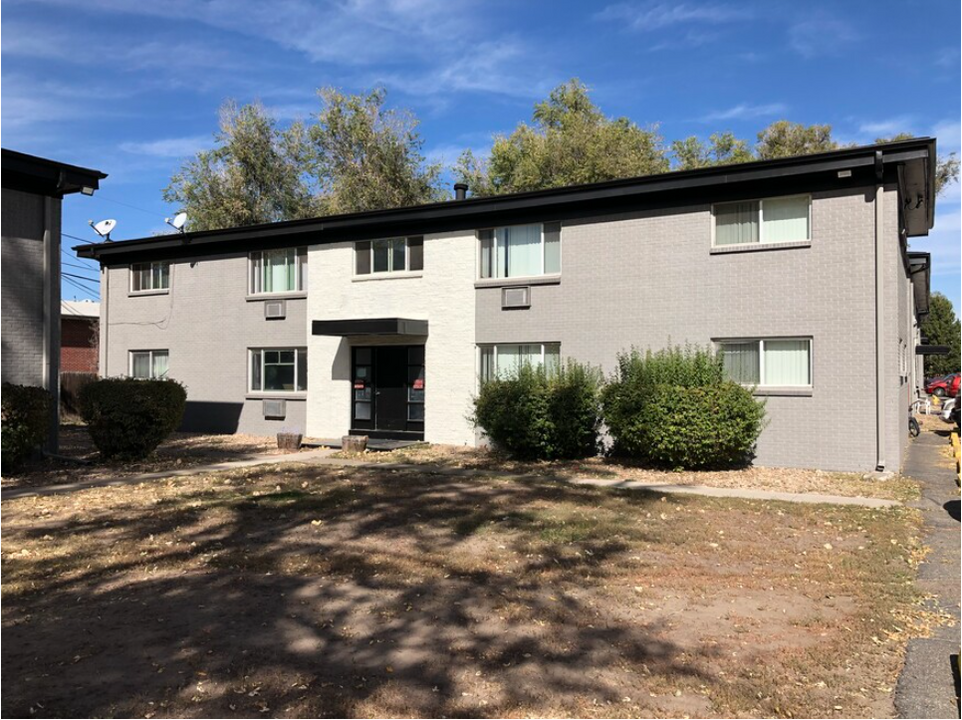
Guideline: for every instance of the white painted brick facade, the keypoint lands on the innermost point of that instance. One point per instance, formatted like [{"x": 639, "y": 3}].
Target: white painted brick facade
[{"x": 443, "y": 295}]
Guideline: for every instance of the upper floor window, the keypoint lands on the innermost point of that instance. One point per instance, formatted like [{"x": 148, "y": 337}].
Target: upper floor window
[
  {"x": 278, "y": 271},
  {"x": 387, "y": 256},
  {"x": 773, "y": 220},
  {"x": 521, "y": 251},
  {"x": 503, "y": 360},
  {"x": 149, "y": 364},
  {"x": 278, "y": 369},
  {"x": 150, "y": 276},
  {"x": 782, "y": 362}
]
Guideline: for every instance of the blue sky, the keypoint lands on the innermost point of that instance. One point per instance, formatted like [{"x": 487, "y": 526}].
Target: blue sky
[{"x": 132, "y": 88}]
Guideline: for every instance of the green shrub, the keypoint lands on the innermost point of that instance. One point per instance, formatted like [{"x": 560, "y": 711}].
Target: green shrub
[
  {"x": 535, "y": 414},
  {"x": 675, "y": 409},
  {"x": 26, "y": 416},
  {"x": 129, "y": 418}
]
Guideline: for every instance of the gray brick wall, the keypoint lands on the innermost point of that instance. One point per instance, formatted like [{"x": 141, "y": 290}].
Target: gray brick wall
[
  {"x": 22, "y": 293},
  {"x": 207, "y": 323},
  {"x": 649, "y": 279}
]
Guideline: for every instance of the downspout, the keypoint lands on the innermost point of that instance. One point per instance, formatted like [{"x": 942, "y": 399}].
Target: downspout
[
  {"x": 50, "y": 372},
  {"x": 879, "y": 316},
  {"x": 104, "y": 322}
]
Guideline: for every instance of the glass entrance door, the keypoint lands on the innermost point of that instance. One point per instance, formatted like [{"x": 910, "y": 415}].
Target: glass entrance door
[{"x": 388, "y": 391}]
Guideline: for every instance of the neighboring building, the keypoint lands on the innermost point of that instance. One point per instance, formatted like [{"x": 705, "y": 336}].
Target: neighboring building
[
  {"x": 33, "y": 188},
  {"x": 796, "y": 269},
  {"x": 79, "y": 336}
]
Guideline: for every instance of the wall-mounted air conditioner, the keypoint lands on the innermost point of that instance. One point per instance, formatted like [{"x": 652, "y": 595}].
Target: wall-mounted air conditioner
[
  {"x": 275, "y": 409},
  {"x": 275, "y": 309},
  {"x": 515, "y": 297}
]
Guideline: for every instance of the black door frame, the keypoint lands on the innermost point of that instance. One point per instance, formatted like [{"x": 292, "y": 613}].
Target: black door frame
[{"x": 364, "y": 392}]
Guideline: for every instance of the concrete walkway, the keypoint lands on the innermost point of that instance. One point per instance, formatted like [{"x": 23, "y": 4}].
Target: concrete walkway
[
  {"x": 928, "y": 685},
  {"x": 322, "y": 457}
]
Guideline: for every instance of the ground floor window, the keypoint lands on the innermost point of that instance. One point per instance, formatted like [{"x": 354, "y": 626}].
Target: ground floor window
[
  {"x": 278, "y": 369},
  {"x": 777, "y": 362},
  {"x": 503, "y": 360},
  {"x": 149, "y": 364}
]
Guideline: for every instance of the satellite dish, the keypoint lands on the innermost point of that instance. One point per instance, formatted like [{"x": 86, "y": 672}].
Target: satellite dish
[
  {"x": 178, "y": 221},
  {"x": 104, "y": 227}
]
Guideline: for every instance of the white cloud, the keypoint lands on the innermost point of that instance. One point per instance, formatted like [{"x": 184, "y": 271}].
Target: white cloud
[
  {"x": 745, "y": 111},
  {"x": 655, "y": 16},
  {"x": 820, "y": 35},
  {"x": 886, "y": 127},
  {"x": 169, "y": 147},
  {"x": 948, "y": 134}
]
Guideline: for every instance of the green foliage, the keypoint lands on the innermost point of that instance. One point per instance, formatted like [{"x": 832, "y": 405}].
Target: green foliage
[
  {"x": 354, "y": 156},
  {"x": 569, "y": 142},
  {"x": 946, "y": 166},
  {"x": 369, "y": 158},
  {"x": 26, "y": 416},
  {"x": 941, "y": 327},
  {"x": 537, "y": 414},
  {"x": 128, "y": 418},
  {"x": 674, "y": 408},
  {"x": 254, "y": 175},
  {"x": 787, "y": 139},
  {"x": 722, "y": 149}
]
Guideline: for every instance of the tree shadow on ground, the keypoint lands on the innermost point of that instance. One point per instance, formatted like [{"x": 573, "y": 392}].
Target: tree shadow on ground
[{"x": 332, "y": 594}]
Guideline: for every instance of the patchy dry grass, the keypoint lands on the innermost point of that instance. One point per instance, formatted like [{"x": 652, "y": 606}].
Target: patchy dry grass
[
  {"x": 180, "y": 450},
  {"x": 322, "y": 591},
  {"x": 756, "y": 478}
]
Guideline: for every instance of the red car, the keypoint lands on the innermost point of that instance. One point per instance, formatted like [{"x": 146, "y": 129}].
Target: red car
[{"x": 947, "y": 386}]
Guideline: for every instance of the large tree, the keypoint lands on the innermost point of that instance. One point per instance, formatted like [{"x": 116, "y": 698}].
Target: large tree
[
  {"x": 367, "y": 157},
  {"x": 354, "y": 155},
  {"x": 941, "y": 327},
  {"x": 254, "y": 174},
  {"x": 568, "y": 142}
]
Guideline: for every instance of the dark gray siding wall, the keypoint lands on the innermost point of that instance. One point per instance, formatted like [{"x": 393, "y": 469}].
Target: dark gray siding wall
[
  {"x": 649, "y": 279},
  {"x": 207, "y": 324},
  {"x": 22, "y": 248}
]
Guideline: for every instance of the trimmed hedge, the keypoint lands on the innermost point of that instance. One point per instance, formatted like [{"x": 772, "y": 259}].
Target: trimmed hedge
[
  {"x": 129, "y": 418},
  {"x": 675, "y": 409},
  {"x": 26, "y": 414},
  {"x": 539, "y": 415}
]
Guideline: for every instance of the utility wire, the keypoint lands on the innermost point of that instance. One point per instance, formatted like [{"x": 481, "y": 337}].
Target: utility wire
[
  {"x": 79, "y": 277},
  {"x": 74, "y": 237},
  {"x": 132, "y": 207},
  {"x": 88, "y": 291}
]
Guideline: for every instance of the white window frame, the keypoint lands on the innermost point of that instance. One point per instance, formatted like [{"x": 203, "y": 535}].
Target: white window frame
[
  {"x": 262, "y": 390},
  {"x": 150, "y": 264},
  {"x": 390, "y": 256},
  {"x": 494, "y": 350},
  {"x": 494, "y": 229},
  {"x": 761, "y": 358},
  {"x": 150, "y": 354},
  {"x": 761, "y": 222},
  {"x": 255, "y": 261}
]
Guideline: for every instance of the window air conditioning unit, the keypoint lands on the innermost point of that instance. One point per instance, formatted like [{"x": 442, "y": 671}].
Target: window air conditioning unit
[
  {"x": 515, "y": 297},
  {"x": 276, "y": 409},
  {"x": 275, "y": 309}
]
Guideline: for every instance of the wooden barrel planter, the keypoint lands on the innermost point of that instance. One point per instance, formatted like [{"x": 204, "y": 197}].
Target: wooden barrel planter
[
  {"x": 354, "y": 443},
  {"x": 289, "y": 441}
]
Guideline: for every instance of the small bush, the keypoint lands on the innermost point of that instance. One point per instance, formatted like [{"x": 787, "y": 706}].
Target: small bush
[
  {"x": 675, "y": 409},
  {"x": 26, "y": 414},
  {"x": 129, "y": 418},
  {"x": 535, "y": 414}
]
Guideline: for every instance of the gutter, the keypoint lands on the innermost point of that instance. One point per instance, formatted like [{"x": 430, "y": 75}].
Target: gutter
[{"x": 879, "y": 316}]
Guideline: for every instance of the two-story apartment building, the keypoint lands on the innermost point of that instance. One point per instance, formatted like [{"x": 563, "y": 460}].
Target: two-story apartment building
[{"x": 384, "y": 323}]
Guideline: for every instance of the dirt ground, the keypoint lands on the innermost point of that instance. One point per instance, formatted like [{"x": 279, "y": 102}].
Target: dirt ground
[
  {"x": 179, "y": 450},
  {"x": 299, "y": 591},
  {"x": 753, "y": 477}
]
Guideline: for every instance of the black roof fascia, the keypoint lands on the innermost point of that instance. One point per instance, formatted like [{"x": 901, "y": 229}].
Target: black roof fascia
[
  {"x": 38, "y": 175},
  {"x": 565, "y": 201},
  {"x": 370, "y": 326}
]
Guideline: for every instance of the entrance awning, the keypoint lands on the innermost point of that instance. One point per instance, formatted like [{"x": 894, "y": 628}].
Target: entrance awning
[{"x": 370, "y": 326}]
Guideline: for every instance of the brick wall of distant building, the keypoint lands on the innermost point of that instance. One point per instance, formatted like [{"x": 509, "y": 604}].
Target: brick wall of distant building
[{"x": 78, "y": 345}]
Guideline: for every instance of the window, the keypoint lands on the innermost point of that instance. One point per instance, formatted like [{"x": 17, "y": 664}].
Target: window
[
  {"x": 504, "y": 360},
  {"x": 278, "y": 271},
  {"x": 521, "y": 251},
  {"x": 387, "y": 256},
  {"x": 775, "y": 220},
  {"x": 278, "y": 370},
  {"x": 150, "y": 277},
  {"x": 149, "y": 364},
  {"x": 768, "y": 363}
]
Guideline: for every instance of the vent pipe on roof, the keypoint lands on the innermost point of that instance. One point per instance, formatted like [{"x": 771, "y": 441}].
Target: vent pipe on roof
[{"x": 460, "y": 191}]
